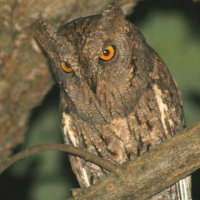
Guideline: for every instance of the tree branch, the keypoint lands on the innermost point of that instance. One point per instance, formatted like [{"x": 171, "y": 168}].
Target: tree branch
[{"x": 59, "y": 147}]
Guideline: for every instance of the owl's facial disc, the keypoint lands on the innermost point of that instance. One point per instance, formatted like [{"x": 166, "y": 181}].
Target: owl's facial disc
[
  {"x": 107, "y": 55},
  {"x": 94, "y": 55}
]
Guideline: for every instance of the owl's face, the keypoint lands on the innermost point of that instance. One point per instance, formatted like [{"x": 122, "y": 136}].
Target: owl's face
[
  {"x": 100, "y": 54},
  {"x": 93, "y": 55},
  {"x": 101, "y": 57}
]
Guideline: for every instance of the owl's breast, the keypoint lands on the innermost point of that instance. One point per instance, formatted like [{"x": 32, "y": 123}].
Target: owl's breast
[{"x": 151, "y": 121}]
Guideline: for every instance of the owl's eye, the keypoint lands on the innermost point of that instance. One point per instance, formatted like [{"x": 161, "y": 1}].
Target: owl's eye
[
  {"x": 66, "y": 66},
  {"x": 108, "y": 53}
]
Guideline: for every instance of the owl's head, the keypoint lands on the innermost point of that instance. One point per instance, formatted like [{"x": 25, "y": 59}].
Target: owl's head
[{"x": 104, "y": 54}]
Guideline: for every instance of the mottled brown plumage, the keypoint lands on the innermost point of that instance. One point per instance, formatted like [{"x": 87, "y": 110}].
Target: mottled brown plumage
[{"x": 117, "y": 109}]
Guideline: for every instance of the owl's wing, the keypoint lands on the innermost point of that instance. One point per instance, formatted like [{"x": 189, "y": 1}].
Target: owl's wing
[
  {"x": 71, "y": 137},
  {"x": 78, "y": 164},
  {"x": 182, "y": 189}
]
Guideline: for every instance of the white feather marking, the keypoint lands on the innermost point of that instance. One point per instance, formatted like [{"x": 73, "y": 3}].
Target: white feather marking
[
  {"x": 65, "y": 124},
  {"x": 87, "y": 182},
  {"x": 69, "y": 132},
  {"x": 162, "y": 107},
  {"x": 71, "y": 137}
]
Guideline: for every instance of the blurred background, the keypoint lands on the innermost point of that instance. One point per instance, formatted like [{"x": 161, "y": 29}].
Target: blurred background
[{"x": 172, "y": 28}]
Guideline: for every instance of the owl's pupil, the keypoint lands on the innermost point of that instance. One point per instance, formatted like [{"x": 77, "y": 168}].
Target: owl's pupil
[
  {"x": 67, "y": 65},
  {"x": 106, "y": 52}
]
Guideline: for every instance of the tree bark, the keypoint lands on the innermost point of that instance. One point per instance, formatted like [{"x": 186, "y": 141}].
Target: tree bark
[{"x": 25, "y": 77}]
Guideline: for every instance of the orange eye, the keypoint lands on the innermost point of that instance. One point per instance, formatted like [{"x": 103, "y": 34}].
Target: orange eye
[
  {"x": 66, "y": 66},
  {"x": 108, "y": 53}
]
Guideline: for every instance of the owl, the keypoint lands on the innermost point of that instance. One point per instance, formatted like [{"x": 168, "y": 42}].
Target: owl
[{"x": 117, "y": 97}]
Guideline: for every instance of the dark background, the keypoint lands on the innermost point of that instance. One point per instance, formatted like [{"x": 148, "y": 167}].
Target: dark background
[{"x": 172, "y": 28}]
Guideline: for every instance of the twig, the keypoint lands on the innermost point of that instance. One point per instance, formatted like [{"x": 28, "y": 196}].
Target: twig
[{"x": 59, "y": 147}]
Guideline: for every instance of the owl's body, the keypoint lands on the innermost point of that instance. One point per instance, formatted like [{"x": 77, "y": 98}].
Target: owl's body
[{"x": 117, "y": 108}]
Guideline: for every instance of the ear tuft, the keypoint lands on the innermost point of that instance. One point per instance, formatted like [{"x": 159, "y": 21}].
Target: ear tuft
[
  {"x": 47, "y": 38},
  {"x": 43, "y": 34},
  {"x": 113, "y": 15}
]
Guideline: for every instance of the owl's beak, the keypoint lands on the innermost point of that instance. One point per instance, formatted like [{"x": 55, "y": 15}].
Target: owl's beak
[{"x": 92, "y": 82}]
